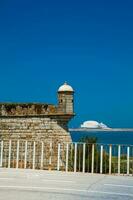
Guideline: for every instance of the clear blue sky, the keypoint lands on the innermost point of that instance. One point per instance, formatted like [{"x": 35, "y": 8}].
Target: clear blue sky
[{"x": 87, "y": 43}]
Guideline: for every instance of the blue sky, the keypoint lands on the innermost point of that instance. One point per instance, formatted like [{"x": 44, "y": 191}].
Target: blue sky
[{"x": 89, "y": 44}]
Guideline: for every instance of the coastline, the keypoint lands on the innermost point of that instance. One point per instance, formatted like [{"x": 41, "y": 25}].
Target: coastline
[{"x": 101, "y": 130}]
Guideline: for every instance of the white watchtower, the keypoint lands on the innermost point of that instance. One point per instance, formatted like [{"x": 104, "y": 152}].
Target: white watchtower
[{"x": 66, "y": 99}]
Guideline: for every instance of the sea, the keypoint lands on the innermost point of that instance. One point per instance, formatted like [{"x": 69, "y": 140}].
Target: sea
[{"x": 105, "y": 137}]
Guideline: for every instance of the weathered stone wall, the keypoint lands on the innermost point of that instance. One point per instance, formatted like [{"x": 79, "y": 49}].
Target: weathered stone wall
[
  {"x": 65, "y": 102},
  {"x": 26, "y": 109},
  {"x": 39, "y": 129},
  {"x": 35, "y": 123},
  {"x": 34, "y": 128}
]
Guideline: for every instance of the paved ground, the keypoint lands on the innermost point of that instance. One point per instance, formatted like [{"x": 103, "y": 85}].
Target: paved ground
[{"x": 51, "y": 185}]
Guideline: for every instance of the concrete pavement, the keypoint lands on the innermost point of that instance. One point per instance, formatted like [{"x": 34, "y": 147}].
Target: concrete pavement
[{"x": 53, "y": 185}]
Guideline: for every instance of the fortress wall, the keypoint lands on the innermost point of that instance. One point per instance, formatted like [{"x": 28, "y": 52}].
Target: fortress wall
[
  {"x": 36, "y": 123},
  {"x": 34, "y": 128},
  {"x": 39, "y": 129}
]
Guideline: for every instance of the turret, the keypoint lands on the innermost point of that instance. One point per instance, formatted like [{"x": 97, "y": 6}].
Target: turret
[{"x": 65, "y": 99}]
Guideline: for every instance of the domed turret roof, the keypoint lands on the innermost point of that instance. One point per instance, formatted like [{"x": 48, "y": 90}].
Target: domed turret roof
[{"x": 65, "y": 88}]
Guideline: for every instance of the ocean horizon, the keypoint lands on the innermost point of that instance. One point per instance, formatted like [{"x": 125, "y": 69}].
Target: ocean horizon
[{"x": 115, "y": 136}]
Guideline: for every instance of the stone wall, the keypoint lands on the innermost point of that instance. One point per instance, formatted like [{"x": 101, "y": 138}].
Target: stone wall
[
  {"x": 34, "y": 128},
  {"x": 26, "y": 109},
  {"x": 47, "y": 129},
  {"x": 33, "y": 122}
]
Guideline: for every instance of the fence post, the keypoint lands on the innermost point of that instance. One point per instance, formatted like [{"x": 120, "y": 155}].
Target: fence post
[
  {"x": 34, "y": 155},
  {"x": 101, "y": 160},
  {"x": 119, "y": 159},
  {"x": 42, "y": 155},
  {"x": 128, "y": 160},
  {"x": 1, "y": 154},
  {"x": 67, "y": 157},
  {"x": 58, "y": 160},
  {"x": 25, "y": 157},
  {"x": 17, "y": 160},
  {"x": 9, "y": 155},
  {"x": 84, "y": 158},
  {"x": 110, "y": 159},
  {"x": 75, "y": 158},
  {"x": 92, "y": 164},
  {"x": 50, "y": 158}
]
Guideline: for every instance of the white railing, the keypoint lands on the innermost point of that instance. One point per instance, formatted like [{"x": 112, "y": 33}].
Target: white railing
[{"x": 76, "y": 157}]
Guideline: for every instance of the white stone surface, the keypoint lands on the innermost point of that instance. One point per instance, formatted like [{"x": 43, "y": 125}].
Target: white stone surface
[
  {"x": 53, "y": 185},
  {"x": 65, "y": 88},
  {"x": 94, "y": 125}
]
